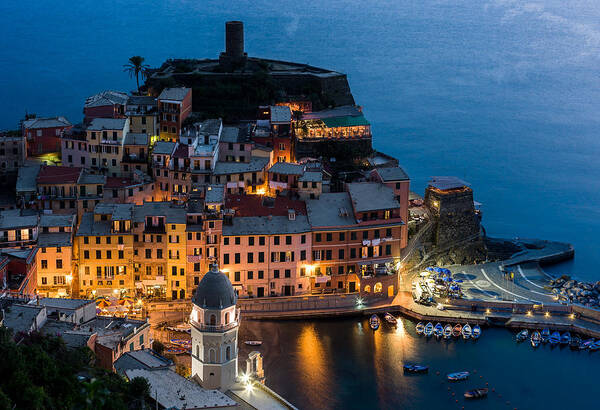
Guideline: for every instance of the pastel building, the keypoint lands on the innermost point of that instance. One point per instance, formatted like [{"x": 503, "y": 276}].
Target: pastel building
[
  {"x": 174, "y": 106},
  {"x": 106, "y": 104},
  {"x": 43, "y": 134},
  {"x": 105, "y": 144}
]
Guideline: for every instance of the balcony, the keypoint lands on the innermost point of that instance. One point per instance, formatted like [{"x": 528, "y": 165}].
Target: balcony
[
  {"x": 214, "y": 328},
  {"x": 194, "y": 258}
]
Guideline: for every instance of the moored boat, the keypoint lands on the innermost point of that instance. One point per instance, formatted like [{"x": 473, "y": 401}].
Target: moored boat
[
  {"x": 253, "y": 342},
  {"x": 415, "y": 368},
  {"x": 594, "y": 346},
  {"x": 476, "y": 393},
  {"x": 586, "y": 344},
  {"x": 565, "y": 338},
  {"x": 390, "y": 319},
  {"x": 522, "y": 335},
  {"x": 438, "y": 330},
  {"x": 536, "y": 339},
  {"x": 554, "y": 338},
  {"x": 466, "y": 331},
  {"x": 458, "y": 376},
  {"x": 374, "y": 322},
  {"x": 428, "y": 331},
  {"x": 575, "y": 342},
  {"x": 447, "y": 331},
  {"x": 545, "y": 335},
  {"x": 476, "y": 332},
  {"x": 419, "y": 328},
  {"x": 456, "y": 330}
]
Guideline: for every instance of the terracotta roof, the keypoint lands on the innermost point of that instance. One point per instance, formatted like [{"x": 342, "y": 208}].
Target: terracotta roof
[
  {"x": 256, "y": 205},
  {"x": 181, "y": 151},
  {"x": 116, "y": 182},
  {"x": 58, "y": 175}
]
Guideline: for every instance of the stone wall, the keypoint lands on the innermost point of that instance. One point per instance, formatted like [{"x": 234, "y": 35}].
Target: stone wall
[{"x": 454, "y": 215}]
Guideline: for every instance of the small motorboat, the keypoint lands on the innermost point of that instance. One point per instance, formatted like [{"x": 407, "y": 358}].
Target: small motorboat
[
  {"x": 586, "y": 344},
  {"x": 594, "y": 346},
  {"x": 476, "y": 332},
  {"x": 438, "y": 330},
  {"x": 476, "y": 393},
  {"x": 390, "y": 319},
  {"x": 374, "y": 322},
  {"x": 575, "y": 342},
  {"x": 453, "y": 377},
  {"x": 428, "y": 331},
  {"x": 415, "y": 368},
  {"x": 466, "y": 331},
  {"x": 536, "y": 339},
  {"x": 554, "y": 338},
  {"x": 447, "y": 331},
  {"x": 420, "y": 328},
  {"x": 565, "y": 338},
  {"x": 456, "y": 330},
  {"x": 522, "y": 335},
  {"x": 545, "y": 335},
  {"x": 253, "y": 342}
]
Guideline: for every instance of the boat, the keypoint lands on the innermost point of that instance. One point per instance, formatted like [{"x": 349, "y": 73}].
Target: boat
[
  {"x": 456, "y": 330},
  {"x": 447, "y": 331},
  {"x": 594, "y": 346},
  {"x": 374, "y": 322},
  {"x": 415, "y": 368},
  {"x": 466, "y": 331},
  {"x": 554, "y": 338},
  {"x": 253, "y": 342},
  {"x": 476, "y": 393},
  {"x": 476, "y": 332},
  {"x": 390, "y": 319},
  {"x": 545, "y": 335},
  {"x": 565, "y": 339},
  {"x": 586, "y": 344},
  {"x": 536, "y": 339},
  {"x": 428, "y": 331},
  {"x": 438, "y": 330},
  {"x": 575, "y": 342},
  {"x": 419, "y": 328},
  {"x": 458, "y": 376},
  {"x": 522, "y": 335}
]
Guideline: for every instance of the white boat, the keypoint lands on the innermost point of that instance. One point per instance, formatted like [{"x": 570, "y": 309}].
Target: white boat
[
  {"x": 466, "y": 331},
  {"x": 522, "y": 335},
  {"x": 536, "y": 339},
  {"x": 253, "y": 342},
  {"x": 374, "y": 322},
  {"x": 428, "y": 331},
  {"x": 448, "y": 331},
  {"x": 438, "y": 330},
  {"x": 390, "y": 319},
  {"x": 420, "y": 328},
  {"x": 458, "y": 376}
]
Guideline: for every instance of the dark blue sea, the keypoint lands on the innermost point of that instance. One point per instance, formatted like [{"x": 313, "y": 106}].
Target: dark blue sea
[{"x": 502, "y": 93}]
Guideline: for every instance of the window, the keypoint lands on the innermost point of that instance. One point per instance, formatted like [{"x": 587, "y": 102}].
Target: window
[
  {"x": 236, "y": 276},
  {"x": 342, "y": 236},
  {"x": 261, "y": 240},
  {"x": 86, "y": 254},
  {"x": 59, "y": 264},
  {"x": 250, "y": 275},
  {"x": 329, "y": 237},
  {"x": 261, "y": 257},
  {"x": 318, "y": 237},
  {"x": 250, "y": 257},
  {"x": 108, "y": 254},
  {"x": 341, "y": 254},
  {"x": 120, "y": 240},
  {"x": 251, "y": 241},
  {"x": 302, "y": 271},
  {"x": 261, "y": 274},
  {"x": 44, "y": 264},
  {"x": 98, "y": 255},
  {"x": 237, "y": 240},
  {"x": 97, "y": 240},
  {"x": 365, "y": 234},
  {"x": 121, "y": 254},
  {"x": 225, "y": 259},
  {"x": 388, "y": 249},
  {"x": 352, "y": 253},
  {"x": 86, "y": 240},
  {"x": 388, "y": 232},
  {"x": 376, "y": 233},
  {"x": 276, "y": 240},
  {"x": 288, "y": 273},
  {"x": 108, "y": 240},
  {"x": 148, "y": 253},
  {"x": 237, "y": 258},
  {"x": 45, "y": 281},
  {"x": 353, "y": 236},
  {"x": 328, "y": 254},
  {"x": 225, "y": 241},
  {"x": 303, "y": 239},
  {"x": 303, "y": 255},
  {"x": 276, "y": 273},
  {"x": 288, "y": 240},
  {"x": 340, "y": 270}
]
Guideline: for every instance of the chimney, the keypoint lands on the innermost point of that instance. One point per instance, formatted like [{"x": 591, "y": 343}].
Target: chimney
[{"x": 292, "y": 214}]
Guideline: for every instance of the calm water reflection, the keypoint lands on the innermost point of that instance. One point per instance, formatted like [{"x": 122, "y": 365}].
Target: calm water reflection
[{"x": 329, "y": 364}]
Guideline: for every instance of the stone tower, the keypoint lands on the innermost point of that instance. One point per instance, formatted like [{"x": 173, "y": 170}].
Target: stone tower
[
  {"x": 215, "y": 322},
  {"x": 234, "y": 55}
]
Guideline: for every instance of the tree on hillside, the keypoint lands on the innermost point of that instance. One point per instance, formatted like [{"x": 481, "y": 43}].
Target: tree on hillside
[{"x": 135, "y": 67}]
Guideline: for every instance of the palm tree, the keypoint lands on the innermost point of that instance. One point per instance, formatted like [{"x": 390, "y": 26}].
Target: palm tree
[{"x": 135, "y": 67}]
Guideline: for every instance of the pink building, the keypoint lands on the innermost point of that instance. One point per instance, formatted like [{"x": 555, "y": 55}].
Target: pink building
[{"x": 107, "y": 104}]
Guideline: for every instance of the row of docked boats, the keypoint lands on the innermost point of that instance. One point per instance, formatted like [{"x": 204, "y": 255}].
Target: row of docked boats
[
  {"x": 448, "y": 331},
  {"x": 556, "y": 338}
]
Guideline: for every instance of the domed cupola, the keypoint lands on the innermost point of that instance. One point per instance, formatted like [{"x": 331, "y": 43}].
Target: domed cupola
[{"x": 214, "y": 291}]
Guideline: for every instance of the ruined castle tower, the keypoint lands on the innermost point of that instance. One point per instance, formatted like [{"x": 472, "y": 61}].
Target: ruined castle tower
[{"x": 234, "y": 55}]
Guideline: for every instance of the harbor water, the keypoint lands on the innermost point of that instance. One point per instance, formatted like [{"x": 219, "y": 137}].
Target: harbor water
[
  {"x": 342, "y": 363},
  {"x": 502, "y": 93}
]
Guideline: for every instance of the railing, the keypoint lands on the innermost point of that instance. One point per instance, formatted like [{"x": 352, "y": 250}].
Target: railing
[{"x": 214, "y": 328}]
